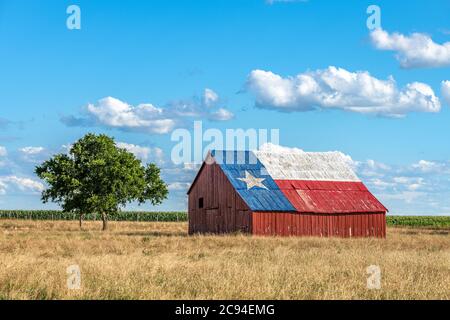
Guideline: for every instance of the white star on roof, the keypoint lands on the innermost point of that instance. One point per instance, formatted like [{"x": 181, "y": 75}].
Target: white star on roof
[{"x": 252, "y": 181}]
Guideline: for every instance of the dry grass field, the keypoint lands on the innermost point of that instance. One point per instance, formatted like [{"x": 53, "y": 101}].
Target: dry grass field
[{"x": 159, "y": 261}]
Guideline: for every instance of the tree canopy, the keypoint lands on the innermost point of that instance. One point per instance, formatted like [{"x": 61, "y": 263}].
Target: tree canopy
[{"x": 96, "y": 176}]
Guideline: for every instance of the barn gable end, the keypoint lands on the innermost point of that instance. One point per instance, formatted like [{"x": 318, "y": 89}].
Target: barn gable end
[{"x": 222, "y": 209}]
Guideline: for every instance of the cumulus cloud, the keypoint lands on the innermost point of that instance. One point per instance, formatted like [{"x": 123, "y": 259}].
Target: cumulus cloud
[
  {"x": 143, "y": 153},
  {"x": 445, "y": 89},
  {"x": 337, "y": 88},
  {"x": 114, "y": 113},
  {"x": 417, "y": 50},
  {"x": 23, "y": 184}
]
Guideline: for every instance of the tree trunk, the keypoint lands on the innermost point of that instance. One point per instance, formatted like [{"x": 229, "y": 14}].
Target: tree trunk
[
  {"x": 105, "y": 221},
  {"x": 81, "y": 219}
]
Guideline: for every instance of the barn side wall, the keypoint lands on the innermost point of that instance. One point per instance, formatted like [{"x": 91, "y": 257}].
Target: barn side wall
[
  {"x": 223, "y": 209},
  {"x": 320, "y": 225}
]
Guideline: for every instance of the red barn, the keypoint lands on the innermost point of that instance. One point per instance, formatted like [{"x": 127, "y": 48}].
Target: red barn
[{"x": 296, "y": 194}]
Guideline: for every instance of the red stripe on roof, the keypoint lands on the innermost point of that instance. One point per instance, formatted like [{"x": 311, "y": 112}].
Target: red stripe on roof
[{"x": 330, "y": 196}]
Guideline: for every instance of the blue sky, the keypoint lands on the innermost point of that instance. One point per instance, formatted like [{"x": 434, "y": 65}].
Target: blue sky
[{"x": 251, "y": 57}]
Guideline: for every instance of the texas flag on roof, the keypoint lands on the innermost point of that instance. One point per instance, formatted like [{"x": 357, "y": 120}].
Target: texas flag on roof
[{"x": 307, "y": 182}]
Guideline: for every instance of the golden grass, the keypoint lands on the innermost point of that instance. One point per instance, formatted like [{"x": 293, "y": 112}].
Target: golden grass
[{"x": 159, "y": 261}]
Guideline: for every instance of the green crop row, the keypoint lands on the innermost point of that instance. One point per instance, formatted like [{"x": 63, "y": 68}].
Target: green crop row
[
  {"x": 120, "y": 216},
  {"x": 412, "y": 221},
  {"x": 419, "y": 221}
]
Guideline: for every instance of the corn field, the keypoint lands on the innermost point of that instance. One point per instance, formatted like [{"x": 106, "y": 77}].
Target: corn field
[
  {"x": 120, "y": 216},
  {"x": 419, "y": 221},
  {"x": 411, "y": 221}
]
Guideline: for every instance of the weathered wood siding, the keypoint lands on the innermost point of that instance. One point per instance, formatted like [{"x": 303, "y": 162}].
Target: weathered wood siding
[
  {"x": 223, "y": 209},
  {"x": 320, "y": 225}
]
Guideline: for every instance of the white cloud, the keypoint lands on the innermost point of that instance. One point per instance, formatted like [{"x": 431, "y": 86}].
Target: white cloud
[
  {"x": 143, "y": 153},
  {"x": 221, "y": 115},
  {"x": 146, "y": 117},
  {"x": 114, "y": 113},
  {"x": 3, "y": 152},
  {"x": 415, "y": 51},
  {"x": 32, "y": 150},
  {"x": 337, "y": 88},
  {"x": 23, "y": 184},
  {"x": 445, "y": 89}
]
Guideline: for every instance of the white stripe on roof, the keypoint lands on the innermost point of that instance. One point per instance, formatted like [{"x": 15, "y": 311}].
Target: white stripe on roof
[{"x": 318, "y": 166}]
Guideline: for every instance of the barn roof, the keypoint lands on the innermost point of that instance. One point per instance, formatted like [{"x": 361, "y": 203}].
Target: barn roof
[
  {"x": 330, "y": 196},
  {"x": 304, "y": 182}
]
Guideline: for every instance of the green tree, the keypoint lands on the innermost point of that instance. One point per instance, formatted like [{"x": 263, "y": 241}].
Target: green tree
[{"x": 96, "y": 176}]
